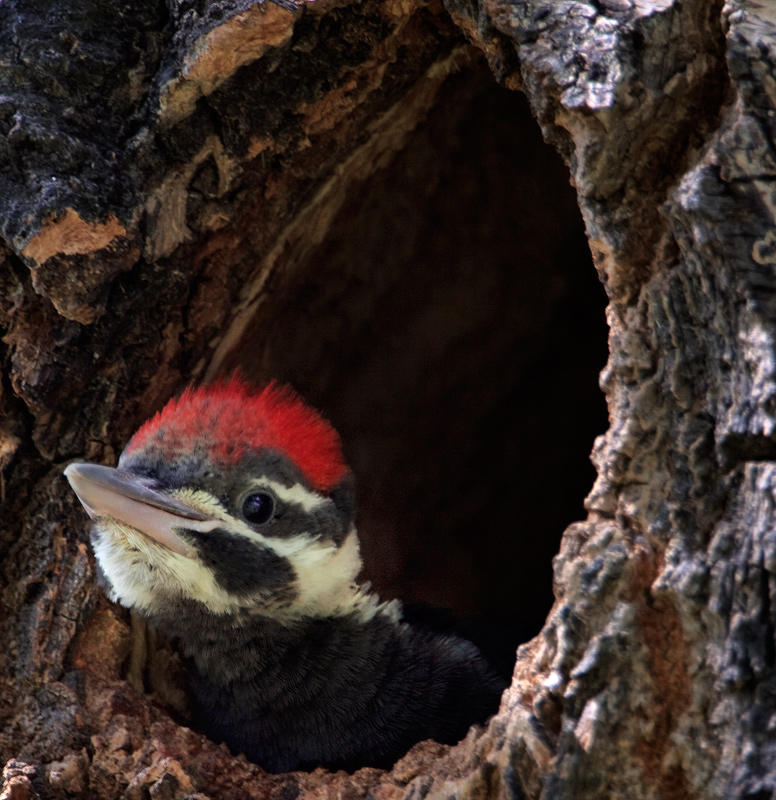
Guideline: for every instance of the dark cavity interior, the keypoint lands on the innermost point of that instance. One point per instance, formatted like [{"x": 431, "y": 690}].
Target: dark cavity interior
[{"x": 452, "y": 328}]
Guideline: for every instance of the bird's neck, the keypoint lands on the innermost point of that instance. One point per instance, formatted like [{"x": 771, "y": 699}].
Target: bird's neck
[
  {"x": 226, "y": 647},
  {"x": 267, "y": 644}
]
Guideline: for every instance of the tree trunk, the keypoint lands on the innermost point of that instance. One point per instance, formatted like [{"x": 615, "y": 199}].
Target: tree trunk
[{"x": 340, "y": 195}]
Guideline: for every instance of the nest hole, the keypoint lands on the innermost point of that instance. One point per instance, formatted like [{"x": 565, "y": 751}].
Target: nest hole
[{"x": 451, "y": 326}]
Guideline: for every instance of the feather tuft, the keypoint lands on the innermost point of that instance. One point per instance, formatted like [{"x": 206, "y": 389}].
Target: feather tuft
[{"x": 230, "y": 418}]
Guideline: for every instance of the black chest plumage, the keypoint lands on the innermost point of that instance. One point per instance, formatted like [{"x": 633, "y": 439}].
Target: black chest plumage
[{"x": 337, "y": 692}]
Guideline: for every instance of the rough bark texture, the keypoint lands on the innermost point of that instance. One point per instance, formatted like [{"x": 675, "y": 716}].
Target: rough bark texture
[{"x": 171, "y": 177}]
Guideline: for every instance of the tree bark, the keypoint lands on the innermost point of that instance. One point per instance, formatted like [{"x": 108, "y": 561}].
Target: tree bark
[{"x": 181, "y": 187}]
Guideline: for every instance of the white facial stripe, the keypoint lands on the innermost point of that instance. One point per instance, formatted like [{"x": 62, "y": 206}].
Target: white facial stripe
[
  {"x": 326, "y": 582},
  {"x": 143, "y": 573},
  {"x": 325, "y": 575},
  {"x": 296, "y": 494},
  {"x": 205, "y": 502},
  {"x": 326, "y": 578}
]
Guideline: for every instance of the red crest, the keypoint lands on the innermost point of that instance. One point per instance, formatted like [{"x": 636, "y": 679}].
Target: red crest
[{"x": 231, "y": 417}]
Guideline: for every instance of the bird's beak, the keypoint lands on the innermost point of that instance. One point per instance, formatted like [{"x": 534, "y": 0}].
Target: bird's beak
[{"x": 113, "y": 493}]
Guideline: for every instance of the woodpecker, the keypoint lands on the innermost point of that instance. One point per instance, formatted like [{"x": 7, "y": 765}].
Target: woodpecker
[{"x": 229, "y": 525}]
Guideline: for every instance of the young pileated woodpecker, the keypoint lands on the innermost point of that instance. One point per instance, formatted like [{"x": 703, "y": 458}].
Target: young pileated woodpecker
[{"x": 228, "y": 524}]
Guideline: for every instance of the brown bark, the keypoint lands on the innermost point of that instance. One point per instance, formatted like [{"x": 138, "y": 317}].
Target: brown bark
[{"x": 337, "y": 195}]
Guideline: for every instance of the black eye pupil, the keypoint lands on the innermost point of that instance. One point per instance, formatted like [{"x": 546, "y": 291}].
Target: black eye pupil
[{"x": 258, "y": 508}]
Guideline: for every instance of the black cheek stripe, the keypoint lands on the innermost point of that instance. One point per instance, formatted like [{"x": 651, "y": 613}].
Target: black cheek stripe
[{"x": 241, "y": 566}]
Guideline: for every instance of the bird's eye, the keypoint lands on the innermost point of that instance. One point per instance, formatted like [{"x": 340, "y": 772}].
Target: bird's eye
[{"x": 258, "y": 508}]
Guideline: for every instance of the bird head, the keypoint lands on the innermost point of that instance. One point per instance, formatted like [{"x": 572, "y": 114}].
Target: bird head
[{"x": 233, "y": 498}]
